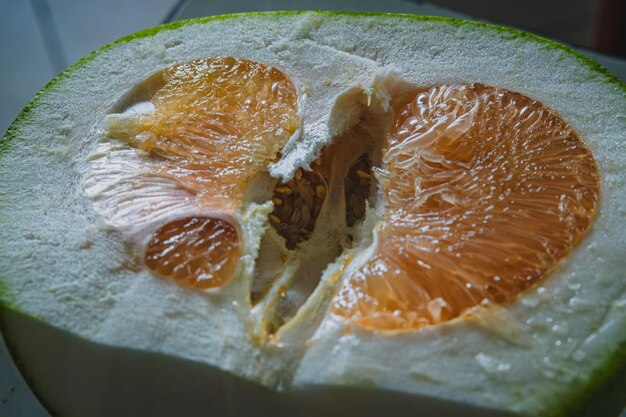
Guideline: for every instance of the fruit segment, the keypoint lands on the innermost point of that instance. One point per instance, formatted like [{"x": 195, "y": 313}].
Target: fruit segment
[
  {"x": 486, "y": 190},
  {"x": 198, "y": 252},
  {"x": 215, "y": 124}
]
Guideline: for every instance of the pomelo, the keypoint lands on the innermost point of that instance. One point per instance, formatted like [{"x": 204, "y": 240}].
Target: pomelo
[{"x": 305, "y": 213}]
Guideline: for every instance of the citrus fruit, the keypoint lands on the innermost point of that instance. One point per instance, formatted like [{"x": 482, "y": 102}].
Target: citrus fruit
[{"x": 307, "y": 213}]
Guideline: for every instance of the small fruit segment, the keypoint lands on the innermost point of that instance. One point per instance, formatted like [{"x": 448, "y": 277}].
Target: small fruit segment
[
  {"x": 196, "y": 252},
  {"x": 486, "y": 190}
]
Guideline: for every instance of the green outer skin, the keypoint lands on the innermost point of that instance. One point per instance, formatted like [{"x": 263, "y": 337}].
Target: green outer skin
[
  {"x": 576, "y": 403},
  {"x": 611, "y": 373},
  {"x": 4, "y": 292}
]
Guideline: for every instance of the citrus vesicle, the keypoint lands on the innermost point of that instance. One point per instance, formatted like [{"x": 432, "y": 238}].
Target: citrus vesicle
[{"x": 486, "y": 190}]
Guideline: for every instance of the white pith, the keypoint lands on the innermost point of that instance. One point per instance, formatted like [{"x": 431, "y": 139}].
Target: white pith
[{"x": 85, "y": 287}]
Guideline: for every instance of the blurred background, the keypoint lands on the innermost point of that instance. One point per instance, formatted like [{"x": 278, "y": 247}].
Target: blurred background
[{"x": 42, "y": 37}]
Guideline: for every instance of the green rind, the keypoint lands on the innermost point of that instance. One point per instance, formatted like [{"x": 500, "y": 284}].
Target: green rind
[
  {"x": 597, "y": 392},
  {"x": 574, "y": 403},
  {"x": 4, "y": 295}
]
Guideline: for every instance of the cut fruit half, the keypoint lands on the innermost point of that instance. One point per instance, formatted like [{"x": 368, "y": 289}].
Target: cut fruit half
[{"x": 325, "y": 205}]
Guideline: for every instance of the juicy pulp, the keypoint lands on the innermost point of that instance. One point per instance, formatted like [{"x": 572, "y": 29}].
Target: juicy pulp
[{"x": 485, "y": 191}]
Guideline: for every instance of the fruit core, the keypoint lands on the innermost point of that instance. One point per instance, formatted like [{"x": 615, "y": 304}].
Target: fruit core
[{"x": 478, "y": 192}]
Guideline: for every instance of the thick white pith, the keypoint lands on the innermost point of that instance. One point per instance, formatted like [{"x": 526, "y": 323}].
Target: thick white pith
[{"x": 125, "y": 308}]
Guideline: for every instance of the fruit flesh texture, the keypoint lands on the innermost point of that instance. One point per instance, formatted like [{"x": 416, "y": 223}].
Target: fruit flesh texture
[
  {"x": 486, "y": 190},
  {"x": 217, "y": 123},
  {"x": 205, "y": 252}
]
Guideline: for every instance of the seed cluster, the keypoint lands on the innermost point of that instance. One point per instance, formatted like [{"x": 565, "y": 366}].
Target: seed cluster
[
  {"x": 297, "y": 205},
  {"x": 357, "y": 189}
]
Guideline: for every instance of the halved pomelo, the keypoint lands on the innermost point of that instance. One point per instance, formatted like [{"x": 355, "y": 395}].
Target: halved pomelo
[{"x": 324, "y": 213}]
